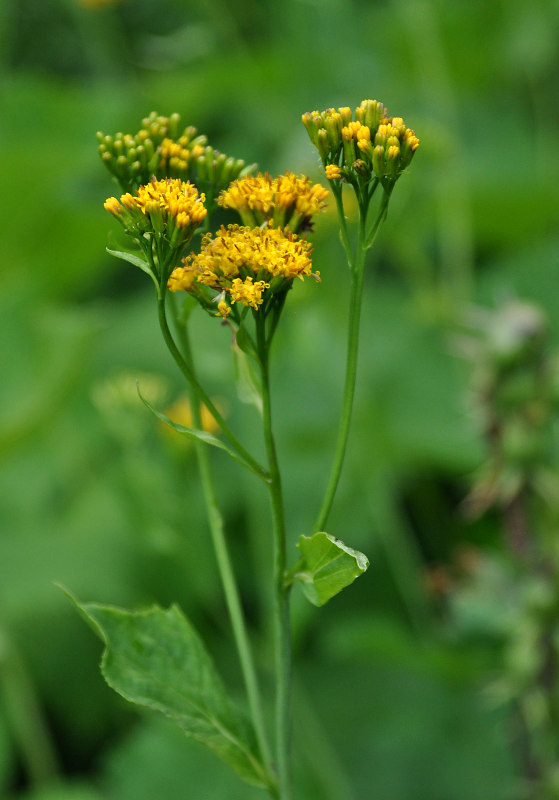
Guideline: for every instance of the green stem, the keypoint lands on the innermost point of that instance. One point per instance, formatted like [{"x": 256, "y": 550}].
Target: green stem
[
  {"x": 201, "y": 394},
  {"x": 357, "y": 266},
  {"x": 227, "y": 575},
  {"x": 344, "y": 234},
  {"x": 282, "y": 629}
]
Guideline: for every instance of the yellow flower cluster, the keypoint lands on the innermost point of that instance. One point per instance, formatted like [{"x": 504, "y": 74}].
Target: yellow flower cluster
[
  {"x": 285, "y": 201},
  {"x": 243, "y": 263},
  {"x": 175, "y": 157},
  {"x": 247, "y": 292},
  {"x": 167, "y": 206},
  {"x": 371, "y": 144},
  {"x": 333, "y": 172},
  {"x": 172, "y": 198},
  {"x": 394, "y": 145}
]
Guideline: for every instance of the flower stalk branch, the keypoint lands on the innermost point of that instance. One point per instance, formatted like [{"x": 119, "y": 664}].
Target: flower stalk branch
[
  {"x": 282, "y": 627},
  {"x": 226, "y": 571}
]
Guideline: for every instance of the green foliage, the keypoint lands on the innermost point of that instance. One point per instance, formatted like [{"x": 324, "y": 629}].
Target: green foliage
[
  {"x": 148, "y": 654},
  {"x": 79, "y": 486},
  {"x": 326, "y": 567},
  {"x": 192, "y": 433}
]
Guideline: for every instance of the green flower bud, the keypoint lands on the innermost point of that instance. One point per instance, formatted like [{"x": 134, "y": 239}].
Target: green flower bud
[
  {"x": 370, "y": 113},
  {"x": 323, "y": 144},
  {"x": 345, "y": 114}
]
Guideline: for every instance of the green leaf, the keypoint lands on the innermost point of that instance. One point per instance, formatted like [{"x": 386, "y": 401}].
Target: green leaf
[
  {"x": 194, "y": 433},
  {"x": 326, "y": 566},
  {"x": 155, "y": 658},
  {"x": 132, "y": 258},
  {"x": 244, "y": 342},
  {"x": 248, "y": 387}
]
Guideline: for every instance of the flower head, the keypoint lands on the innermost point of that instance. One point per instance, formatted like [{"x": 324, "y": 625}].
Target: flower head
[
  {"x": 287, "y": 200},
  {"x": 244, "y": 265},
  {"x": 373, "y": 144},
  {"x": 333, "y": 172},
  {"x": 162, "y": 148},
  {"x": 169, "y": 208}
]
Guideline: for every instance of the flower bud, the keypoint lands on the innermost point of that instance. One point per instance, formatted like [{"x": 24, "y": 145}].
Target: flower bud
[
  {"x": 333, "y": 125},
  {"x": 345, "y": 114},
  {"x": 323, "y": 144},
  {"x": 370, "y": 113},
  {"x": 333, "y": 172}
]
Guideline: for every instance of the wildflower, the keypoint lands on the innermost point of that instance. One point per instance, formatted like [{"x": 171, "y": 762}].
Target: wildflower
[
  {"x": 333, "y": 172},
  {"x": 169, "y": 209},
  {"x": 284, "y": 201},
  {"x": 372, "y": 145},
  {"x": 162, "y": 149},
  {"x": 247, "y": 292},
  {"x": 245, "y": 266}
]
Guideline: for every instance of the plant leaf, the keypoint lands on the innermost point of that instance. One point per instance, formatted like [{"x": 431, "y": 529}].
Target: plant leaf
[
  {"x": 155, "y": 658},
  {"x": 194, "y": 433},
  {"x": 248, "y": 388},
  {"x": 326, "y": 566},
  {"x": 244, "y": 342},
  {"x": 132, "y": 258}
]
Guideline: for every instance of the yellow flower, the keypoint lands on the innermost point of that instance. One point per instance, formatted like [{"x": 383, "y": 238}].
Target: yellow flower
[
  {"x": 223, "y": 310},
  {"x": 171, "y": 197},
  {"x": 244, "y": 265},
  {"x": 285, "y": 201},
  {"x": 247, "y": 292},
  {"x": 181, "y": 278},
  {"x": 333, "y": 172},
  {"x": 373, "y": 144},
  {"x": 168, "y": 207}
]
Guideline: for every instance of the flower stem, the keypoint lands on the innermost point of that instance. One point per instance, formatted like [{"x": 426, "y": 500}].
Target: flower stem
[
  {"x": 365, "y": 241},
  {"x": 282, "y": 629},
  {"x": 227, "y": 575},
  {"x": 245, "y": 456}
]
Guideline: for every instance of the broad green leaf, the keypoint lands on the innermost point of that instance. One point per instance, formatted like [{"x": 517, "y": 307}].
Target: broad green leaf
[
  {"x": 155, "y": 658},
  {"x": 194, "y": 433},
  {"x": 326, "y": 566},
  {"x": 248, "y": 388}
]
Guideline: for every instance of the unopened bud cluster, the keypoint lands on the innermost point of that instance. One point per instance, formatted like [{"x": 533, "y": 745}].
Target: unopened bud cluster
[
  {"x": 364, "y": 145},
  {"x": 162, "y": 148}
]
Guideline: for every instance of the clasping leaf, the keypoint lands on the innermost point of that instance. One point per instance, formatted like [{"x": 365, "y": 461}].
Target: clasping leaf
[
  {"x": 326, "y": 566},
  {"x": 248, "y": 387},
  {"x": 155, "y": 658}
]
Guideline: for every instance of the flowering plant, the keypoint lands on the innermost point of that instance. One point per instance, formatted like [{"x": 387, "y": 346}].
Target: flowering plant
[{"x": 172, "y": 182}]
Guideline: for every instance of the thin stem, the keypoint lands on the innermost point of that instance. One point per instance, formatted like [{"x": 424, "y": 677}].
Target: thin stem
[
  {"x": 344, "y": 234},
  {"x": 282, "y": 630},
  {"x": 226, "y": 572},
  {"x": 364, "y": 243},
  {"x": 193, "y": 382}
]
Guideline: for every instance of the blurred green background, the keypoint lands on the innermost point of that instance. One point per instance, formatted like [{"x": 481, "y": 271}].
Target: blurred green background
[{"x": 391, "y": 677}]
